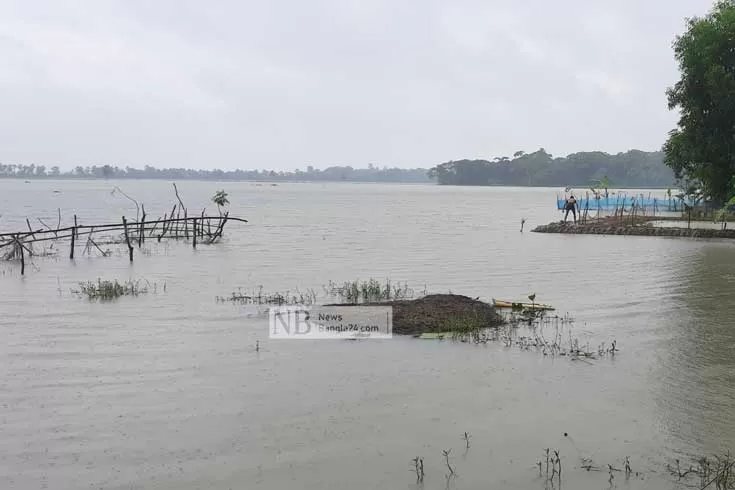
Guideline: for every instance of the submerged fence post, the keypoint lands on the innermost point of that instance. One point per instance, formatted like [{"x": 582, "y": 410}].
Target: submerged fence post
[
  {"x": 73, "y": 237},
  {"x": 127, "y": 238},
  {"x": 22, "y": 255},
  {"x": 194, "y": 235},
  {"x": 141, "y": 236}
]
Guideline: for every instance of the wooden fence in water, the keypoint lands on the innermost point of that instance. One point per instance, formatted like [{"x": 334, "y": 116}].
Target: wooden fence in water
[{"x": 200, "y": 229}]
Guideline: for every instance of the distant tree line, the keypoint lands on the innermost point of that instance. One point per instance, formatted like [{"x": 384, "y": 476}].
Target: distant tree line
[
  {"x": 341, "y": 173},
  {"x": 636, "y": 169},
  {"x": 631, "y": 169}
]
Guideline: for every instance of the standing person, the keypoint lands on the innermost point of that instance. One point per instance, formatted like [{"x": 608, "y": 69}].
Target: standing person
[{"x": 570, "y": 205}]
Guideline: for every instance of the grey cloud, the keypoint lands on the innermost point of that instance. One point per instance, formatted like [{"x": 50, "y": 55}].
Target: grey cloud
[{"x": 287, "y": 83}]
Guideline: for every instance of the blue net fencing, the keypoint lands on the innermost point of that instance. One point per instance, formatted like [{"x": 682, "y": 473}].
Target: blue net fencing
[{"x": 626, "y": 201}]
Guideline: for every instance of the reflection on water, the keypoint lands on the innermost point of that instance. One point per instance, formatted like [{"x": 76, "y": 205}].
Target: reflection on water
[
  {"x": 166, "y": 390},
  {"x": 684, "y": 224},
  {"x": 697, "y": 389}
]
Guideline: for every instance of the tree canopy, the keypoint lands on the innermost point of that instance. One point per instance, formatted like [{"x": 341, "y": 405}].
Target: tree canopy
[
  {"x": 701, "y": 148},
  {"x": 631, "y": 169}
]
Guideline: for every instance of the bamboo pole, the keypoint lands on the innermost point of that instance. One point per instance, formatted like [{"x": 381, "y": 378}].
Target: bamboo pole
[
  {"x": 108, "y": 227},
  {"x": 141, "y": 231},
  {"x": 127, "y": 238},
  {"x": 71, "y": 251},
  {"x": 22, "y": 256}
]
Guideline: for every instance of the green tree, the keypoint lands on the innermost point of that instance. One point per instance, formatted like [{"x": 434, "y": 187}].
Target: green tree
[
  {"x": 220, "y": 199},
  {"x": 701, "y": 147}
]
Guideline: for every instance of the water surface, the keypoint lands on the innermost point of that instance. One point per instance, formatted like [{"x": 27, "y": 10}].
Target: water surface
[{"x": 166, "y": 390}]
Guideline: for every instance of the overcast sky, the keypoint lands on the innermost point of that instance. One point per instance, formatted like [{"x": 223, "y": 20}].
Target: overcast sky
[{"x": 281, "y": 84}]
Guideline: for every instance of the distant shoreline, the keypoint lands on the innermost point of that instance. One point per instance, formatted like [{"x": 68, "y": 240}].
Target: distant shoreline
[
  {"x": 582, "y": 170},
  {"x": 579, "y": 188}
]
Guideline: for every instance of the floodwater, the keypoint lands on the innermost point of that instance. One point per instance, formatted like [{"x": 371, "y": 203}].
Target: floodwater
[{"x": 167, "y": 391}]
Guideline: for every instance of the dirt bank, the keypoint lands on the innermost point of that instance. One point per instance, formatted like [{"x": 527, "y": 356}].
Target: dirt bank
[
  {"x": 438, "y": 313},
  {"x": 602, "y": 228}
]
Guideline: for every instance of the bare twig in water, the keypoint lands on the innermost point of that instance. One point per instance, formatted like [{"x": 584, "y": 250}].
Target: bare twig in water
[
  {"x": 44, "y": 224},
  {"x": 678, "y": 472},
  {"x": 181, "y": 207},
  {"x": 176, "y": 190},
  {"x": 446, "y": 460},
  {"x": 137, "y": 206},
  {"x": 555, "y": 461},
  {"x": 588, "y": 465},
  {"x": 418, "y": 465}
]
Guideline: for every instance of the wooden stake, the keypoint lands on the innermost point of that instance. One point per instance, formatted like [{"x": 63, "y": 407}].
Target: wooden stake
[
  {"x": 22, "y": 256},
  {"x": 127, "y": 238},
  {"x": 73, "y": 236},
  {"x": 30, "y": 230},
  {"x": 194, "y": 235},
  {"x": 141, "y": 236}
]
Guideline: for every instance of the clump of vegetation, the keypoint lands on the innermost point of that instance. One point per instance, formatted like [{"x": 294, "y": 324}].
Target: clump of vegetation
[
  {"x": 349, "y": 292},
  {"x": 259, "y": 297},
  {"x": 220, "y": 199},
  {"x": 370, "y": 291},
  {"x": 465, "y": 324},
  {"x": 718, "y": 472},
  {"x": 527, "y": 329},
  {"x": 555, "y": 461},
  {"x": 108, "y": 290}
]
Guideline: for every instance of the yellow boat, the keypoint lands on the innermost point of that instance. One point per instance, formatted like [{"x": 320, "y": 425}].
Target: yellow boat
[{"x": 521, "y": 306}]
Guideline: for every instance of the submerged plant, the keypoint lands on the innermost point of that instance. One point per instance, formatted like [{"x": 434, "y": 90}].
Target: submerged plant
[
  {"x": 445, "y": 453},
  {"x": 464, "y": 325},
  {"x": 260, "y": 297},
  {"x": 348, "y": 293},
  {"x": 370, "y": 291},
  {"x": 108, "y": 290},
  {"x": 418, "y": 468}
]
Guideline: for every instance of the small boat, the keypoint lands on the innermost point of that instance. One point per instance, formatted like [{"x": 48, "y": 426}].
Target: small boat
[{"x": 521, "y": 306}]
